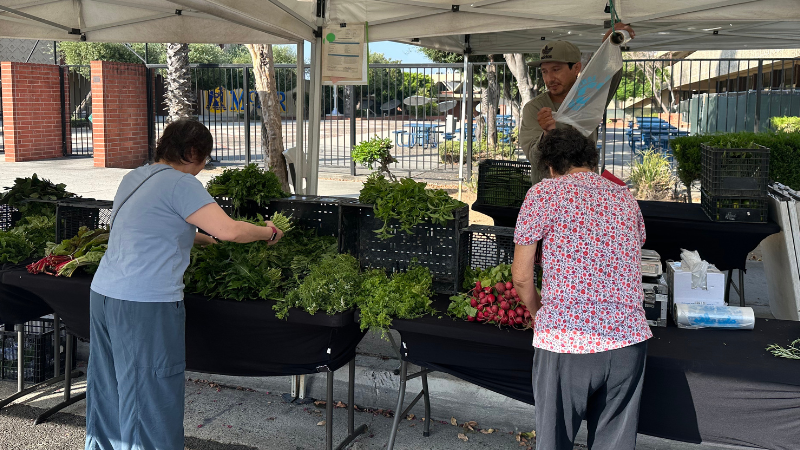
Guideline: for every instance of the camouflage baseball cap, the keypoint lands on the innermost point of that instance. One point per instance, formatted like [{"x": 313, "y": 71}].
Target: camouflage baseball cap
[{"x": 558, "y": 51}]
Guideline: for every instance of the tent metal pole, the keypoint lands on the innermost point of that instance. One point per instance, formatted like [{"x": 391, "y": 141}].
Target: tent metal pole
[
  {"x": 315, "y": 115},
  {"x": 300, "y": 120},
  {"x": 463, "y": 125}
]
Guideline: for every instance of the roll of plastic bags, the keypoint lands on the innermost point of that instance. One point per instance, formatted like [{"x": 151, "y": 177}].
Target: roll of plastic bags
[
  {"x": 692, "y": 262},
  {"x": 586, "y": 102},
  {"x": 705, "y": 316}
]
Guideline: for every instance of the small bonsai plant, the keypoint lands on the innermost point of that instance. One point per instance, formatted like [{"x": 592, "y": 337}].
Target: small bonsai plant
[{"x": 375, "y": 151}]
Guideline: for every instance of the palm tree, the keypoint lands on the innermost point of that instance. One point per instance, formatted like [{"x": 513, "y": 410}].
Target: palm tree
[
  {"x": 271, "y": 129},
  {"x": 179, "y": 95}
]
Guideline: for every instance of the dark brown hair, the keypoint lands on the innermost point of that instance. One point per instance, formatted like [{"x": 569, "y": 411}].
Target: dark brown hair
[
  {"x": 184, "y": 141},
  {"x": 565, "y": 148}
]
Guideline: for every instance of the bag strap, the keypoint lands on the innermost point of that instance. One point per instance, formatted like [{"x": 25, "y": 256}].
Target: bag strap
[{"x": 114, "y": 215}]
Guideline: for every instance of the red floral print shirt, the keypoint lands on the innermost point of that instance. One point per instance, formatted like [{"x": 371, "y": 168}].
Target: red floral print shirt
[{"x": 592, "y": 233}]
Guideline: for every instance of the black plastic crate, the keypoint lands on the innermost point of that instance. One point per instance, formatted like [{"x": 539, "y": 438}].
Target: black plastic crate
[
  {"x": 486, "y": 246},
  {"x": 729, "y": 172},
  {"x": 734, "y": 209},
  {"x": 9, "y": 216},
  {"x": 38, "y": 354},
  {"x": 250, "y": 209},
  {"x": 322, "y": 214},
  {"x": 71, "y": 215},
  {"x": 503, "y": 183},
  {"x": 434, "y": 246}
]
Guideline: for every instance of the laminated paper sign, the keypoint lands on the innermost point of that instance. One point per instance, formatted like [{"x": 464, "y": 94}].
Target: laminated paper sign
[{"x": 344, "y": 54}]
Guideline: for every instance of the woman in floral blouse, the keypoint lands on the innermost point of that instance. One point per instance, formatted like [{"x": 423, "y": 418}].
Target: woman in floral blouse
[{"x": 590, "y": 330}]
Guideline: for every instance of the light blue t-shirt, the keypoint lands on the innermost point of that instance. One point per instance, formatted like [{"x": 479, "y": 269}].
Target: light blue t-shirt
[{"x": 150, "y": 242}]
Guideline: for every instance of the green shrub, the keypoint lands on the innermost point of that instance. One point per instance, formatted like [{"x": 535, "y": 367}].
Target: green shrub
[
  {"x": 449, "y": 151},
  {"x": 784, "y": 164},
  {"x": 787, "y": 124},
  {"x": 652, "y": 177}
]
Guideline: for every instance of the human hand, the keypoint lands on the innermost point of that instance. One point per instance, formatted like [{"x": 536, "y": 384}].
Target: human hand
[
  {"x": 546, "y": 120},
  {"x": 619, "y": 26},
  {"x": 203, "y": 239},
  {"x": 271, "y": 226}
]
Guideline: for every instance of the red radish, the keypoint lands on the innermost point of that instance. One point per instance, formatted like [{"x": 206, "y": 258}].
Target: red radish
[
  {"x": 480, "y": 307},
  {"x": 527, "y": 315},
  {"x": 519, "y": 310},
  {"x": 484, "y": 301},
  {"x": 478, "y": 285},
  {"x": 491, "y": 298},
  {"x": 473, "y": 302},
  {"x": 505, "y": 305},
  {"x": 513, "y": 292},
  {"x": 480, "y": 315},
  {"x": 511, "y": 314},
  {"x": 501, "y": 313},
  {"x": 470, "y": 318},
  {"x": 495, "y": 309},
  {"x": 500, "y": 287},
  {"x": 518, "y": 320},
  {"x": 488, "y": 290},
  {"x": 504, "y": 320},
  {"x": 482, "y": 295},
  {"x": 509, "y": 285}
]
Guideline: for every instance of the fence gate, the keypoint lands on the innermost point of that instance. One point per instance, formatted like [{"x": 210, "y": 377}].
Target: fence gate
[{"x": 76, "y": 93}]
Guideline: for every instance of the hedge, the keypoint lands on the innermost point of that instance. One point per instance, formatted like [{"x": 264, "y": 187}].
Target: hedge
[{"x": 784, "y": 164}]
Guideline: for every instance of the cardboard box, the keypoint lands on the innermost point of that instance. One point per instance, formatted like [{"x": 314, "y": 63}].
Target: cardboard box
[{"x": 680, "y": 286}]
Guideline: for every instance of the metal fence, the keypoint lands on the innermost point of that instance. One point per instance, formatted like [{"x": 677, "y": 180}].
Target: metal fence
[
  {"x": 694, "y": 96},
  {"x": 419, "y": 109}
]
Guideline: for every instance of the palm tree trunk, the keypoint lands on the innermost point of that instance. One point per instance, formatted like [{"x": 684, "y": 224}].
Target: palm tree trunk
[
  {"x": 493, "y": 94},
  {"x": 179, "y": 95},
  {"x": 271, "y": 129}
]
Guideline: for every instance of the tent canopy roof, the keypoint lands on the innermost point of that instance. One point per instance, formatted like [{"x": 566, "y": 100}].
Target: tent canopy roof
[{"x": 494, "y": 26}]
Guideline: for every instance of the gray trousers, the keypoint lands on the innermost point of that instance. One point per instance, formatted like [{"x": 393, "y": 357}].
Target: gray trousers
[
  {"x": 135, "y": 385},
  {"x": 602, "y": 388}
]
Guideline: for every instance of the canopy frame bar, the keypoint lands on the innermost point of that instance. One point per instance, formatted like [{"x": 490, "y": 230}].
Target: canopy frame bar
[{"x": 66, "y": 28}]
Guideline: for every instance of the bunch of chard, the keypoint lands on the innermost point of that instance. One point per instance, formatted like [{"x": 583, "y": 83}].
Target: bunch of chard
[
  {"x": 84, "y": 250},
  {"x": 499, "y": 304}
]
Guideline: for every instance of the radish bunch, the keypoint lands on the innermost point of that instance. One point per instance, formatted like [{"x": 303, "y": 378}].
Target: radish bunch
[
  {"x": 490, "y": 298},
  {"x": 498, "y": 304}
]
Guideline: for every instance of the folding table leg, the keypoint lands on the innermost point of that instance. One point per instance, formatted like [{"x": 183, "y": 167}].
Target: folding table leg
[
  {"x": 398, "y": 415},
  {"x": 329, "y": 413},
  {"x": 68, "y": 398},
  {"x": 352, "y": 432},
  {"x": 20, "y": 328}
]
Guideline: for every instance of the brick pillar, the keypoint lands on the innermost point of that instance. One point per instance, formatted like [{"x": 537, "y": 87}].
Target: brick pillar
[
  {"x": 31, "y": 111},
  {"x": 119, "y": 114}
]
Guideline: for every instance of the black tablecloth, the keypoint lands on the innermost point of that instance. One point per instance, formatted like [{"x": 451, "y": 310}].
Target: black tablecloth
[
  {"x": 223, "y": 336},
  {"x": 672, "y": 226},
  {"x": 19, "y": 306},
  {"x": 711, "y": 386}
]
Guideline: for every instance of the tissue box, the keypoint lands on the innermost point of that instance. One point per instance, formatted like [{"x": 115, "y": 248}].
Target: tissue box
[{"x": 681, "y": 292}]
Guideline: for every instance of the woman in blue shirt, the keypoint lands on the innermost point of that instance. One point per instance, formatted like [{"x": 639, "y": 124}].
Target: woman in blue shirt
[{"x": 135, "y": 388}]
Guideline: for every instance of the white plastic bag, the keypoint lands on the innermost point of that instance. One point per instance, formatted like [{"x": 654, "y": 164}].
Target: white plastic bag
[
  {"x": 586, "y": 102},
  {"x": 698, "y": 267}
]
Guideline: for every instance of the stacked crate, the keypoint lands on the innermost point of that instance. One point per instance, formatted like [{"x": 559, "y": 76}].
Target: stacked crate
[{"x": 734, "y": 183}]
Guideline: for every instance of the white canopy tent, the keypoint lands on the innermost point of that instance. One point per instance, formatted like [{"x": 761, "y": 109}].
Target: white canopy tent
[{"x": 477, "y": 26}]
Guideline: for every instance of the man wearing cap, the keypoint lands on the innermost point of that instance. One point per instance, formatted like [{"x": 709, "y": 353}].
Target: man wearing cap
[{"x": 560, "y": 63}]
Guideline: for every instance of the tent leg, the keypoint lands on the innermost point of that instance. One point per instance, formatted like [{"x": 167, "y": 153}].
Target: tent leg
[{"x": 351, "y": 432}]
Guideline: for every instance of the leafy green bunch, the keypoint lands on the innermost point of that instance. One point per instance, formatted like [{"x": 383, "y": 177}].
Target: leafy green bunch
[
  {"x": 257, "y": 270},
  {"x": 404, "y": 295},
  {"x": 331, "y": 286},
  {"x": 36, "y": 189},
  {"x": 38, "y": 230},
  {"x": 249, "y": 184},
  {"x": 408, "y": 202},
  {"x": 14, "y": 247}
]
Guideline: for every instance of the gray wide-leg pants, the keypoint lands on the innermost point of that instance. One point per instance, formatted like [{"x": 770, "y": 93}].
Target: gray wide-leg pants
[{"x": 602, "y": 388}]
